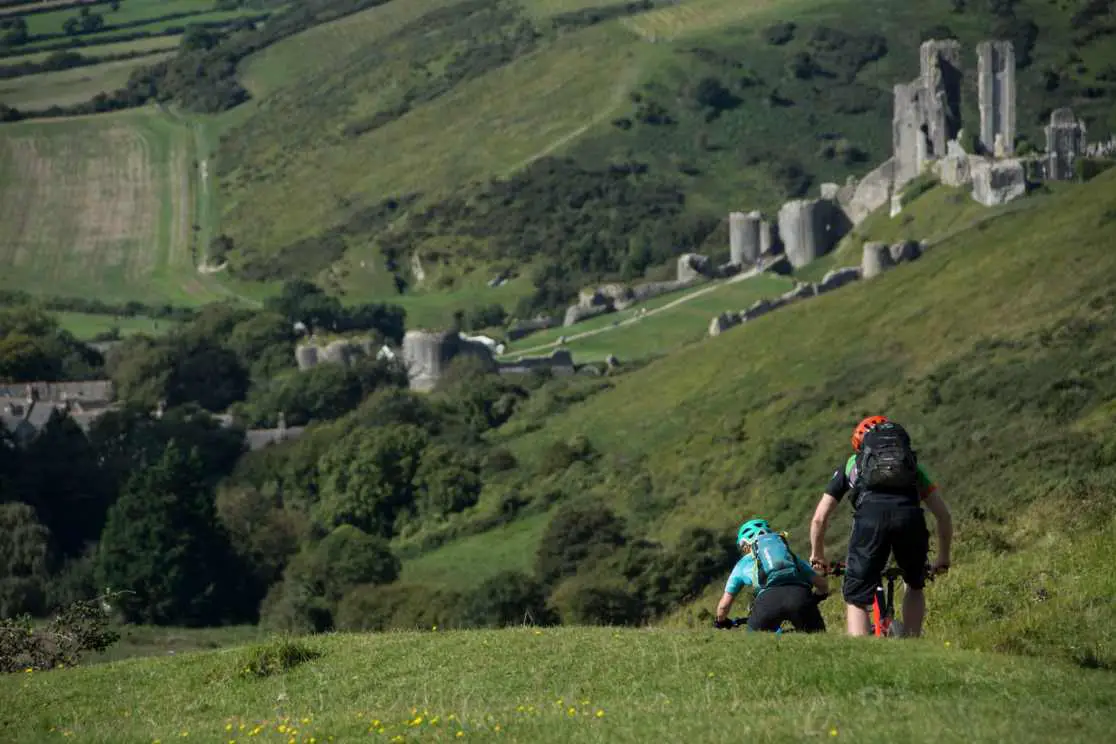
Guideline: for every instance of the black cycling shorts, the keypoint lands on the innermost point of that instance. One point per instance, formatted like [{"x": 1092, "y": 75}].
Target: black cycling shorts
[
  {"x": 779, "y": 603},
  {"x": 880, "y": 530}
]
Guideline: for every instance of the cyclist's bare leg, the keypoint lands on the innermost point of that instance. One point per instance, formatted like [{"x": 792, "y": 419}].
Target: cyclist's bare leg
[
  {"x": 914, "y": 610},
  {"x": 858, "y": 621}
]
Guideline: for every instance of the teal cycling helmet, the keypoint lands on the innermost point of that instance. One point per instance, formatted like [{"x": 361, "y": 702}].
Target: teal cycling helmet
[{"x": 751, "y": 530}]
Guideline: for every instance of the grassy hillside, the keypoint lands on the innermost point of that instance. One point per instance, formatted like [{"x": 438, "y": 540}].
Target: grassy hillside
[
  {"x": 596, "y": 685},
  {"x": 587, "y": 140},
  {"x": 996, "y": 354},
  {"x": 725, "y": 110}
]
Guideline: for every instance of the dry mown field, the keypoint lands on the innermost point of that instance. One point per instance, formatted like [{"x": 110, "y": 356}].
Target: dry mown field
[{"x": 99, "y": 206}]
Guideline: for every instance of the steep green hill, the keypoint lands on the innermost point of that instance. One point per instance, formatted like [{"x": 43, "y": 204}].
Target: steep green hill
[
  {"x": 995, "y": 349},
  {"x": 570, "y": 685},
  {"x": 564, "y": 141}
]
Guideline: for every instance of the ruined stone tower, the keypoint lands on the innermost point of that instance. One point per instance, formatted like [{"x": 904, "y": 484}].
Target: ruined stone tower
[
  {"x": 996, "y": 88},
  {"x": 927, "y": 112},
  {"x": 906, "y": 131},
  {"x": 1065, "y": 142},
  {"x": 940, "y": 64},
  {"x": 744, "y": 237}
]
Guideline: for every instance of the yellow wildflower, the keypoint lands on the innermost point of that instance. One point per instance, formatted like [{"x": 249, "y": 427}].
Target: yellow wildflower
[
  {"x": 459, "y": 734},
  {"x": 833, "y": 732},
  {"x": 600, "y": 713}
]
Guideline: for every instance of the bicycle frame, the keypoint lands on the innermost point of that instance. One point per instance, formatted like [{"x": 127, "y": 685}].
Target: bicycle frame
[{"x": 882, "y": 617}]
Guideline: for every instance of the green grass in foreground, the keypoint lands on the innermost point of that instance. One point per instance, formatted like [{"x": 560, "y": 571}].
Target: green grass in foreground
[{"x": 571, "y": 684}]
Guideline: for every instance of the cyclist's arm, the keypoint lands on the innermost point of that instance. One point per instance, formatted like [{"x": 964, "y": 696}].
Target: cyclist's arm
[
  {"x": 724, "y": 606},
  {"x": 818, "y": 526},
  {"x": 944, "y": 522}
]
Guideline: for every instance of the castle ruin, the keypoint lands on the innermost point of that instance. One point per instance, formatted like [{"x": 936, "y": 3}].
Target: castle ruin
[
  {"x": 1065, "y": 143},
  {"x": 927, "y": 110},
  {"x": 996, "y": 91}
]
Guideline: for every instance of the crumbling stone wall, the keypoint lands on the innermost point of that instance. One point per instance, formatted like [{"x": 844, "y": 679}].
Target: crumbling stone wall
[{"x": 998, "y": 182}]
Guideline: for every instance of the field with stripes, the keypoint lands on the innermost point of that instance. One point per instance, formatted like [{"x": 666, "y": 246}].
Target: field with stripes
[{"x": 101, "y": 207}]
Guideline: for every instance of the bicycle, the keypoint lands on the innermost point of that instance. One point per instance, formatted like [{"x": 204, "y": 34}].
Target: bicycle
[{"x": 884, "y": 623}]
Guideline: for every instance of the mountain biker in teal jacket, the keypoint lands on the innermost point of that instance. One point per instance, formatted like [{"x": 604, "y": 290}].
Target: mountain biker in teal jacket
[
  {"x": 781, "y": 595},
  {"x": 887, "y": 519}
]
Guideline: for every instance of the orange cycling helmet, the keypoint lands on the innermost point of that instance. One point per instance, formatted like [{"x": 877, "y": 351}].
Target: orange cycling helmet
[{"x": 863, "y": 427}]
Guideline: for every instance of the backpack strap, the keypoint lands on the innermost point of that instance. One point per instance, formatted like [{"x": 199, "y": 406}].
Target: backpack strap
[{"x": 761, "y": 574}]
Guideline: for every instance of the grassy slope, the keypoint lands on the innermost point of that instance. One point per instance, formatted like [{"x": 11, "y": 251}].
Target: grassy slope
[
  {"x": 565, "y": 685},
  {"x": 493, "y": 132},
  {"x": 1001, "y": 333}
]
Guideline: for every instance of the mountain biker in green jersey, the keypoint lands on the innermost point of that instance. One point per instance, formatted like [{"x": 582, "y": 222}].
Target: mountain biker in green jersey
[
  {"x": 888, "y": 489},
  {"x": 781, "y": 581}
]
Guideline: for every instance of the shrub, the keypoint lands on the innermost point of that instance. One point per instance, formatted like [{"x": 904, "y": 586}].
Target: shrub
[
  {"x": 780, "y": 454},
  {"x": 917, "y": 188},
  {"x": 1089, "y": 168},
  {"x": 561, "y": 455},
  {"x": 508, "y": 598},
  {"x": 596, "y": 601},
  {"x": 779, "y": 33},
  {"x": 576, "y": 535},
  {"x": 276, "y": 656},
  {"x": 78, "y": 629},
  {"x": 398, "y": 606}
]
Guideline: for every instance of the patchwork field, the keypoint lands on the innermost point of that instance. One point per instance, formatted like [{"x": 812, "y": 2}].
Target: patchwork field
[
  {"x": 158, "y": 43},
  {"x": 130, "y": 10},
  {"x": 68, "y": 87},
  {"x": 102, "y": 207}
]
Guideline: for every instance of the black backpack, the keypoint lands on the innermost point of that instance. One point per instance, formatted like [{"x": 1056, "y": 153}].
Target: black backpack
[{"x": 886, "y": 461}]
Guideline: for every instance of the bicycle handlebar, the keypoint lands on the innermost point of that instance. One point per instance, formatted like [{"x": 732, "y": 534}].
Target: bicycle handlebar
[{"x": 837, "y": 568}]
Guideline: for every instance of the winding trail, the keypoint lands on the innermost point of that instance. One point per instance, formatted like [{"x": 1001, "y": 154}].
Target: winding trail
[
  {"x": 711, "y": 287},
  {"x": 623, "y": 85}
]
